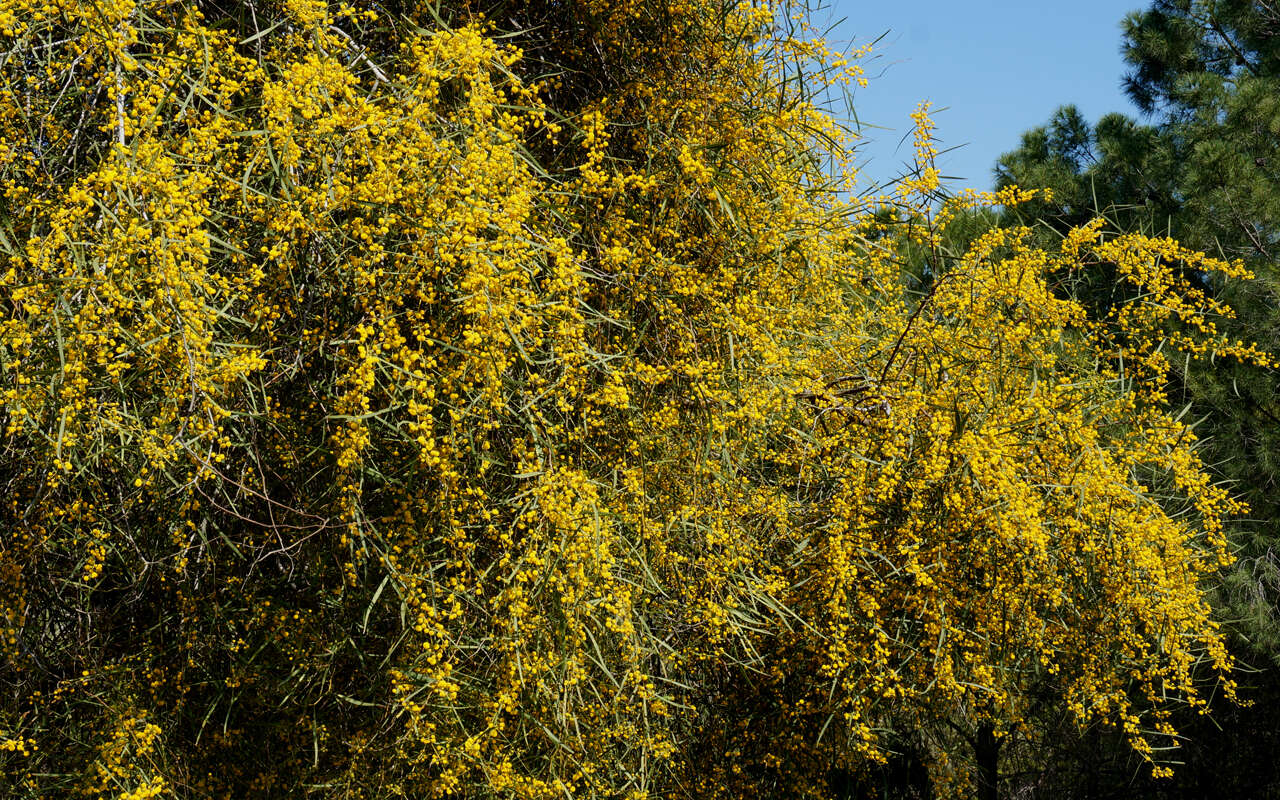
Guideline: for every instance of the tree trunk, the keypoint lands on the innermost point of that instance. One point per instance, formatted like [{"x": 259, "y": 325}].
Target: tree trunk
[{"x": 987, "y": 753}]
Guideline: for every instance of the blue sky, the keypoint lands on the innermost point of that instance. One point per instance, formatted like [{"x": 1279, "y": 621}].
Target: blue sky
[{"x": 998, "y": 68}]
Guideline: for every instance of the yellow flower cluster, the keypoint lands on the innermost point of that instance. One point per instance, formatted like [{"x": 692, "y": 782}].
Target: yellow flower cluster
[{"x": 123, "y": 761}]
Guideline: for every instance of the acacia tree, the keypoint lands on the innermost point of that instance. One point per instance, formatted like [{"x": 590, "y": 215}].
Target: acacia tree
[{"x": 479, "y": 400}]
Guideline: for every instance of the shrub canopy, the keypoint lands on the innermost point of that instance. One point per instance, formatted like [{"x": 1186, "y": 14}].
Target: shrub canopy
[{"x": 514, "y": 400}]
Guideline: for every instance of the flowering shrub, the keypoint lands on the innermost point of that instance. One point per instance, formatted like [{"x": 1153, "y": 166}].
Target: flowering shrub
[{"x": 403, "y": 400}]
